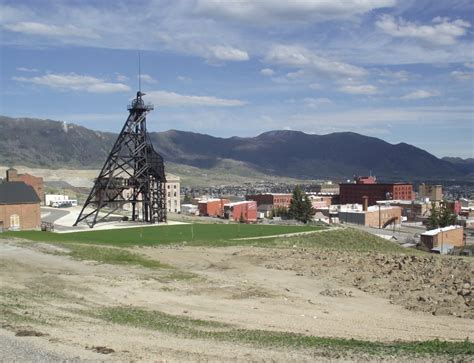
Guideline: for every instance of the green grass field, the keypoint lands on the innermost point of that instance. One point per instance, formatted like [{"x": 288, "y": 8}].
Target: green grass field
[{"x": 192, "y": 234}]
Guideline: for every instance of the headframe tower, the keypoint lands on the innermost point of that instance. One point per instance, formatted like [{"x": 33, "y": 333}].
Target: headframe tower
[{"x": 133, "y": 175}]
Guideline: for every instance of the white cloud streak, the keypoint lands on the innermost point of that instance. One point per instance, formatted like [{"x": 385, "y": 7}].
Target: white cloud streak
[
  {"x": 419, "y": 95},
  {"x": 301, "y": 57},
  {"x": 165, "y": 98},
  {"x": 442, "y": 32},
  {"x": 74, "y": 82},
  {"x": 269, "y": 12},
  {"x": 364, "y": 89},
  {"x": 34, "y": 28},
  {"x": 227, "y": 53}
]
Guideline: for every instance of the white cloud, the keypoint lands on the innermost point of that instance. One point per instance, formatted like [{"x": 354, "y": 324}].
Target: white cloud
[
  {"x": 469, "y": 65},
  {"x": 148, "y": 79},
  {"x": 442, "y": 32},
  {"x": 267, "y": 72},
  {"x": 226, "y": 53},
  {"x": 34, "y": 28},
  {"x": 315, "y": 86},
  {"x": 462, "y": 76},
  {"x": 122, "y": 78},
  {"x": 164, "y": 98},
  {"x": 264, "y": 12},
  {"x": 184, "y": 79},
  {"x": 25, "y": 69},
  {"x": 75, "y": 82},
  {"x": 301, "y": 57},
  {"x": 419, "y": 94},
  {"x": 364, "y": 89},
  {"x": 317, "y": 102}
]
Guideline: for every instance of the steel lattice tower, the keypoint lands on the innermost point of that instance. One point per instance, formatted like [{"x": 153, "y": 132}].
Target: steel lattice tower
[{"x": 133, "y": 173}]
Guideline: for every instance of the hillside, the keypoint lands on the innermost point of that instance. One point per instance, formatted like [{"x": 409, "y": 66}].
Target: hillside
[{"x": 53, "y": 144}]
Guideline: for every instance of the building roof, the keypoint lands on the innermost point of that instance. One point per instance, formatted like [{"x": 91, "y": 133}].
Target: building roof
[
  {"x": 17, "y": 193},
  {"x": 239, "y": 203},
  {"x": 434, "y": 232}
]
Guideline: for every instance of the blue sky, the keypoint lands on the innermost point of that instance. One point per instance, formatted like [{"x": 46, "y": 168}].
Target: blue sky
[{"x": 400, "y": 70}]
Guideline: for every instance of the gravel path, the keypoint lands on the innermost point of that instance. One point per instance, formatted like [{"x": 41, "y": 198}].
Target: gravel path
[{"x": 15, "y": 349}]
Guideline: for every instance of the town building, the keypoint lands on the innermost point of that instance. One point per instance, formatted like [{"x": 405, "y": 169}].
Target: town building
[
  {"x": 33, "y": 181},
  {"x": 442, "y": 239},
  {"x": 320, "y": 201},
  {"x": 412, "y": 210},
  {"x": 351, "y": 193},
  {"x": 173, "y": 193},
  {"x": 276, "y": 200},
  {"x": 430, "y": 192},
  {"x": 19, "y": 207},
  {"x": 326, "y": 188},
  {"x": 369, "y": 216},
  {"x": 245, "y": 210},
  {"x": 212, "y": 207}
]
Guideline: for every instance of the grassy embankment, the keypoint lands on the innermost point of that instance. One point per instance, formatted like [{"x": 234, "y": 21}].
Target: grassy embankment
[{"x": 201, "y": 329}]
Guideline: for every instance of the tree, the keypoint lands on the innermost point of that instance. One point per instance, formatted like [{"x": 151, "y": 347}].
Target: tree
[
  {"x": 279, "y": 212},
  {"x": 300, "y": 206},
  {"x": 440, "y": 216},
  {"x": 187, "y": 199}
]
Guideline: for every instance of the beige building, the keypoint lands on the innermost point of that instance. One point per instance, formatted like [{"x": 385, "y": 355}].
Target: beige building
[
  {"x": 431, "y": 192},
  {"x": 373, "y": 216},
  {"x": 173, "y": 195},
  {"x": 443, "y": 238}
]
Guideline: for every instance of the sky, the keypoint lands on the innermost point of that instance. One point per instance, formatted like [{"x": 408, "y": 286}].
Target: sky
[{"x": 399, "y": 70}]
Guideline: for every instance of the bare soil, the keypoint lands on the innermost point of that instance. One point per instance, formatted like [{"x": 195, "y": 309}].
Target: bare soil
[{"x": 318, "y": 293}]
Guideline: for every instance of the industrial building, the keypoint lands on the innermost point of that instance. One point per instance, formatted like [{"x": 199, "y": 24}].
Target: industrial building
[
  {"x": 19, "y": 206},
  {"x": 351, "y": 193},
  {"x": 246, "y": 211},
  {"x": 212, "y": 207},
  {"x": 35, "y": 182},
  {"x": 443, "y": 239},
  {"x": 326, "y": 188}
]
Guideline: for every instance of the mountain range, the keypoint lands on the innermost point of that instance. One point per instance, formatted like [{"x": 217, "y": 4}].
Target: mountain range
[{"x": 54, "y": 144}]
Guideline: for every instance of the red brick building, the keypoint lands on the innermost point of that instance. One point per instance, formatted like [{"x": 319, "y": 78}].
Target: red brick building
[
  {"x": 351, "y": 193},
  {"x": 33, "y": 181},
  {"x": 247, "y": 210},
  {"x": 273, "y": 199},
  {"x": 19, "y": 207},
  {"x": 212, "y": 207}
]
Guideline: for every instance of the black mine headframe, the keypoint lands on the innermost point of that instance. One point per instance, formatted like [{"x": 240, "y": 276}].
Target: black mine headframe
[{"x": 133, "y": 174}]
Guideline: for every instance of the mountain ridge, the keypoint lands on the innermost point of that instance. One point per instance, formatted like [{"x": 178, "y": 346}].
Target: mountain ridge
[{"x": 283, "y": 153}]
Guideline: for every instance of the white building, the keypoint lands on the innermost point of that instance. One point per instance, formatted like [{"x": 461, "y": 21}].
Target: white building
[{"x": 173, "y": 195}]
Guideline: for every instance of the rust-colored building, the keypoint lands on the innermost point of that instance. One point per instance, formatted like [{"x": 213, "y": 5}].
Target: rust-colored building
[
  {"x": 212, "y": 207},
  {"x": 19, "y": 207},
  {"x": 247, "y": 210},
  {"x": 33, "y": 181},
  {"x": 276, "y": 200},
  {"x": 452, "y": 236},
  {"x": 351, "y": 193}
]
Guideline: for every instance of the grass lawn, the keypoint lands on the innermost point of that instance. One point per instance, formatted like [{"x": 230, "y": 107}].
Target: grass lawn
[{"x": 193, "y": 234}]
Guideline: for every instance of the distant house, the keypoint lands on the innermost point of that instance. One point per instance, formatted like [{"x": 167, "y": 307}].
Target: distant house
[{"x": 19, "y": 207}]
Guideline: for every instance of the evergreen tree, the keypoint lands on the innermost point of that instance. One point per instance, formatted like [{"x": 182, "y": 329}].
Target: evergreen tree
[
  {"x": 300, "y": 206},
  {"x": 433, "y": 220},
  {"x": 187, "y": 199},
  {"x": 440, "y": 217}
]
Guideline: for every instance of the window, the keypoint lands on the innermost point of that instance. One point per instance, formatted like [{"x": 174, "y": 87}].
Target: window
[
  {"x": 175, "y": 186},
  {"x": 175, "y": 194},
  {"x": 14, "y": 221}
]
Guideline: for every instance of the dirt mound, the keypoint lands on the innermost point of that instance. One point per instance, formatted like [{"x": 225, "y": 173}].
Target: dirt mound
[{"x": 439, "y": 285}]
